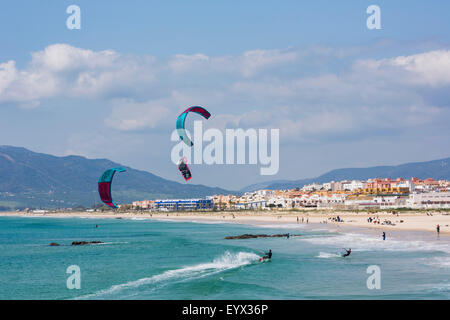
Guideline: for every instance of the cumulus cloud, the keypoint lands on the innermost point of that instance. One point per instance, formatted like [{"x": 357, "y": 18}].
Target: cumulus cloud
[
  {"x": 429, "y": 68},
  {"x": 8, "y": 73},
  {"x": 64, "y": 57},
  {"x": 64, "y": 70},
  {"x": 280, "y": 88}
]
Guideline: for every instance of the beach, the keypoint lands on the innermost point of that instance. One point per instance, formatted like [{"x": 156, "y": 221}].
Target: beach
[{"x": 410, "y": 221}]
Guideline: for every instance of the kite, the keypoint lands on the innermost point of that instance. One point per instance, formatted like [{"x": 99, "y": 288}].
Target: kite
[
  {"x": 182, "y": 118},
  {"x": 104, "y": 186}
]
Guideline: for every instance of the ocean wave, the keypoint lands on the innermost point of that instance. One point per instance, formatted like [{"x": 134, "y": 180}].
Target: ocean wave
[
  {"x": 327, "y": 255},
  {"x": 366, "y": 242},
  {"x": 443, "y": 287},
  {"x": 225, "y": 262},
  {"x": 443, "y": 262}
]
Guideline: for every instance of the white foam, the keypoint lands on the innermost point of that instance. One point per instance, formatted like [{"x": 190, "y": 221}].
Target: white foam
[
  {"x": 110, "y": 243},
  {"x": 437, "y": 287},
  {"x": 442, "y": 262},
  {"x": 366, "y": 242},
  {"x": 327, "y": 255},
  {"x": 225, "y": 262}
]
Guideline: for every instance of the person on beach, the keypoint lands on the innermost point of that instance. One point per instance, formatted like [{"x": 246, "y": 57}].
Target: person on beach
[
  {"x": 384, "y": 235},
  {"x": 438, "y": 229},
  {"x": 348, "y": 252}
]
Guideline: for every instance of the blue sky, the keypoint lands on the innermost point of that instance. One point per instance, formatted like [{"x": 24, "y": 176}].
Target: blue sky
[{"x": 342, "y": 95}]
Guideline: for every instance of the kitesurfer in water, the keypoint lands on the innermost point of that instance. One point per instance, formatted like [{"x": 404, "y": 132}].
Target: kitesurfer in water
[
  {"x": 268, "y": 255},
  {"x": 347, "y": 252}
]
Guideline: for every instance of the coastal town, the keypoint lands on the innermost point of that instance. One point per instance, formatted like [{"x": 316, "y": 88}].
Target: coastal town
[{"x": 374, "y": 193}]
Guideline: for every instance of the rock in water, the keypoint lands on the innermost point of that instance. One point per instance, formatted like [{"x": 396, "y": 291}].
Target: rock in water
[
  {"x": 82, "y": 243},
  {"x": 253, "y": 236}
]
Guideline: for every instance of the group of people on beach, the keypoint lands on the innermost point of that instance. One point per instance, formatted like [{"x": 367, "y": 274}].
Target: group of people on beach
[
  {"x": 377, "y": 220},
  {"x": 303, "y": 220},
  {"x": 336, "y": 219}
]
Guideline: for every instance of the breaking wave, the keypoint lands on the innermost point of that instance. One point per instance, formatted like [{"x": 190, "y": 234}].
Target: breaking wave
[{"x": 225, "y": 262}]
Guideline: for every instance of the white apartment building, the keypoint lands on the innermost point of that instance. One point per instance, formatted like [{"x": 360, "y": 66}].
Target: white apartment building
[
  {"x": 353, "y": 185},
  {"x": 312, "y": 187},
  {"x": 429, "y": 200},
  {"x": 403, "y": 184},
  {"x": 328, "y": 185}
]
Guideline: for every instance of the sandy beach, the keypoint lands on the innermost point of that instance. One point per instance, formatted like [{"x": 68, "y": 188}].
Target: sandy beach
[{"x": 411, "y": 221}]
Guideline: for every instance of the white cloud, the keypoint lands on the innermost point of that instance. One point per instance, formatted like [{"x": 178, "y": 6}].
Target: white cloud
[
  {"x": 430, "y": 68},
  {"x": 8, "y": 73},
  {"x": 258, "y": 88},
  {"x": 64, "y": 70},
  {"x": 64, "y": 57}
]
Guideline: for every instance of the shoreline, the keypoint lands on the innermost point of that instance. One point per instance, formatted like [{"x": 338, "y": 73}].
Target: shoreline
[{"x": 410, "y": 221}]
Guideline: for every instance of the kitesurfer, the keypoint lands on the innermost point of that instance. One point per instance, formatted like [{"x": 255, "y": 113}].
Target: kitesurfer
[
  {"x": 184, "y": 169},
  {"x": 268, "y": 255},
  {"x": 347, "y": 252}
]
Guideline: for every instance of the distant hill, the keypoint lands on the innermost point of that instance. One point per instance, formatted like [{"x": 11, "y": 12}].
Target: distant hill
[
  {"x": 30, "y": 179},
  {"x": 436, "y": 169},
  {"x": 263, "y": 185}
]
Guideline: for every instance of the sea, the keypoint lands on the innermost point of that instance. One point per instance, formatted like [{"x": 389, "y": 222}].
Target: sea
[{"x": 154, "y": 259}]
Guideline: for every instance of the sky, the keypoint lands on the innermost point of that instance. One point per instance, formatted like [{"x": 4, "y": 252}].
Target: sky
[{"x": 340, "y": 94}]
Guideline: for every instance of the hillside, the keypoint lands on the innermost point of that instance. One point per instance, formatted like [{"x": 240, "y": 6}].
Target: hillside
[{"x": 30, "y": 179}]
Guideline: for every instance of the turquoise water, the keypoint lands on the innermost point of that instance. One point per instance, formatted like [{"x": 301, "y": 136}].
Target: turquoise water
[{"x": 148, "y": 259}]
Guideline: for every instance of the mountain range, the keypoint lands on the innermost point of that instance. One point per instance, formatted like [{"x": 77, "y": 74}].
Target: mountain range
[{"x": 38, "y": 180}]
